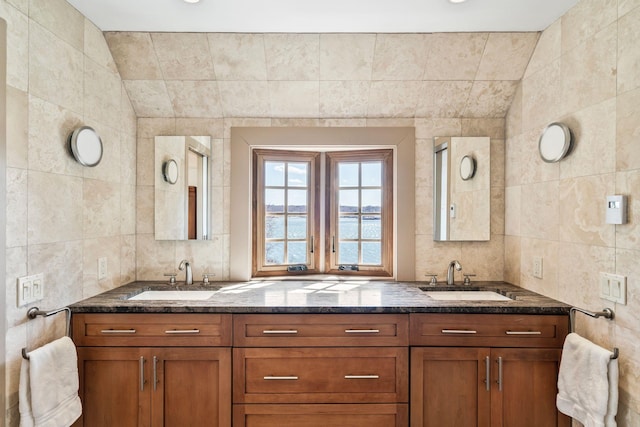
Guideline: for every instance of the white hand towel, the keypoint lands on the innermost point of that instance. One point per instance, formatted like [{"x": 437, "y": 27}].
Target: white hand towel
[
  {"x": 588, "y": 383},
  {"x": 49, "y": 386}
]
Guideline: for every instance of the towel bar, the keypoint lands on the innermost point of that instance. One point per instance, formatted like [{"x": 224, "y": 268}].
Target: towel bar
[
  {"x": 607, "y": 313},
  {"x": 35, "y": 312}
]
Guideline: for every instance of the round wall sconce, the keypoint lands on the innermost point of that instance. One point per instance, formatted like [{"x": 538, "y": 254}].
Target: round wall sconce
[
  {"x": 86, "y": 146},
  {"x": 467, "y": 167},
  {"x": 555, "y": 142},
  {"x": 170, "y": 171}
]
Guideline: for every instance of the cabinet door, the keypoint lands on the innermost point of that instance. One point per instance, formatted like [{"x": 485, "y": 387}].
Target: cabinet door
[
  {"x": 191, "y": 387},
  {"x": 449, "y": 387},
  {"x": 525, "y": 387},
  {"x": 114, "y": 387}
]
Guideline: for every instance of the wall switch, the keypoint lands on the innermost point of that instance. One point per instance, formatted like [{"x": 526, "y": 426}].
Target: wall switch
[
  {"x": 613, "y": 287},
  {"x": 102, "y": 268},
  {"x": 537, "y": 267},
  {"x": 30, "y": 289}
]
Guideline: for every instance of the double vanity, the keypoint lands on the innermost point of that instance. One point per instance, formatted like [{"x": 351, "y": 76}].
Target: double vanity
[{"x": 327, "y": 353}]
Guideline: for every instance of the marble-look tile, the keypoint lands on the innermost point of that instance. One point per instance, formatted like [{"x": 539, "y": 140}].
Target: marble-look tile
[
  {"x": 346, "y": 56},
  {"x": 540, "y": 210},
  {"x": 93, "y": 249},
  {"x": 61, "y": 264},
  {"x": 149, "y": 98},
  {"x": 128, "y": 160},
  {"x": 491, "y": 127},
  {"x": 514, "y": 159},
  {"x": 512, "y": 259},
  {"x": 196, "y": 126},
  {"x": 238, "y": 56},
  {"x": 145, "y": 206},
  {"x": 15, "y": 341},
  {"x": 127, "y": 209},
  {"x": 513, "y": 119},
  {"x": 629, "y": 52},
  {"x": 626, "y": 6},
  {"x": 218, "y": 210},
  {"x": 293, "y": 57},
  {"x": 628, "y": 131},
  {"x": 152, "y": 127},
  {"x": 205, "y": 257},
  {"x": 127, "y": 259},
  {"x": 454, "y": 56},
  {"x": 54, "y": 208},
  {"x": 134, "y": 55},
  {"x": 587, "y": 261},
  {"x": 497, "y": 218},
  {"x": 21, "y": 5},
  {"x": 16, "y": 261},
  {"x": 102, "y": 94},
  {"x": 586, "y": 19},
  {"x": 549, "y": 251},
  {"x": 593, "y": 61},
  {"x": 96, "y": 48},
  {"x": 344, "y": 98},
  {"x": 626, "y": 264},
  {"x": 17, "y": 126},
  {"x": 294, "y": 99},
  {"x": 241, "y": 99},
  {"x": 59, "y": 17},
  {"x": 530, "y": 166},
  {"x": 180, "y": 63},
  {"x": 101, "y": 210},
  {"x": 434, "y": 257},
  {"x": 429, "y": 128},
  {"x": 490, "y": 98},
  {"x": 513, "y": 210},
  {"x": 154, "y": 257},
  {"x": 628, "y": 235},
  {"x": 594, "y": 130},
  {"x": 109, "y": 168},
  {"x": 194, "y": 98},
  {"x": 484, "y": 259},
  {"x": 506, "y": 48},
  {"x": 400, "y": 56},
  {"x": 49, "y": 130},
  {"x": 542, "y": 97},
  {"x": 547, "y": 50},
  {"x": 628, "y": 410},
  {"x": 354, "y": 122},
  {"x": 443, "y": 98},
  {"x": 55, "y": 69},
  {"x": 390, "y": 122},
  {"x": 497, "y": 162},
  {"x": 231, "y": 122},
  {"x": 579, "y": 221},
  {"x": 393, "y": 99},
  {"x": 629, "y": 377},
  {"x": 17, "y": 49},
  {"x": 16, "y": 207}
]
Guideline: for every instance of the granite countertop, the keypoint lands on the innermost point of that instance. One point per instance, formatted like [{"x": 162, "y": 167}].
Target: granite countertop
[{"x": 308, "y": 296}]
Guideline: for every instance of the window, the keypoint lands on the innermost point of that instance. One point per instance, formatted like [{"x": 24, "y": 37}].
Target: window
[{"x": 353, "y": 207}]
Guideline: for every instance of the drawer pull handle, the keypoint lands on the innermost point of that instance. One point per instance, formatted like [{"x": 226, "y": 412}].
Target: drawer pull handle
[
  {"x": 182, "y": 331},
  {"x": 361, "y": 377},
  {"x": 118, "y": 331},
  {"x": 524, "y": 333},
  {"x": 280, "y": 331},
  {"x": 459, "y": 331},
  {"x": 285, "y": 378},
  {"x": 362, "y": 331}
]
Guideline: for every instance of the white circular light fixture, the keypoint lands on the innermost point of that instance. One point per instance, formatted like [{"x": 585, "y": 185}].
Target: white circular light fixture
[
  {"x": 452, "y": 1},
  {"x": 192, "y": 1}
]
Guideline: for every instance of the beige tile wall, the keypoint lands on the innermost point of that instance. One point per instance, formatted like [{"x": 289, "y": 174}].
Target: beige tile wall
[
  {"x": 61, "y": 216},
  {"x": 585, "y": 72}
]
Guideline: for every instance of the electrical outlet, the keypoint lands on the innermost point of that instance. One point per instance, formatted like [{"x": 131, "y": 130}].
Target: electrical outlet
[
  {"x": 537, "y": 267},
  {"x": 613, "y": 287},
  {"x": 102, "y": 268}
]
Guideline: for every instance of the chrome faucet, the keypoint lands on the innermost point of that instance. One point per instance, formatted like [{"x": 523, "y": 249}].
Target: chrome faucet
[
  {"x": 184, "y": 264},
  {"x": 450, "y": 273}
]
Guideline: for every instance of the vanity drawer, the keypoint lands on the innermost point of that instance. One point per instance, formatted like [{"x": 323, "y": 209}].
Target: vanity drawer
[
  {"x": 152, "y": 329},
  {"x": 488, "y": 330},
  {"x": 320, "y": 330},
  {"x": 320, "y": 375}
]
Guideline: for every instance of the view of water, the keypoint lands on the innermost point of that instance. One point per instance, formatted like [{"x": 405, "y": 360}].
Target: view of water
[{"x": 347, "y": 251}]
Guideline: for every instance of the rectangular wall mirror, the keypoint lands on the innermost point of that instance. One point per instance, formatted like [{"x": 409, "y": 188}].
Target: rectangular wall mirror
[
  {"x": 182, "y": 205},
  {"x": 462, "y": 189}
]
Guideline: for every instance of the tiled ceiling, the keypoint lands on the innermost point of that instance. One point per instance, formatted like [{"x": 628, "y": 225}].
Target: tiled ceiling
[{"x": 216, "y": 75}]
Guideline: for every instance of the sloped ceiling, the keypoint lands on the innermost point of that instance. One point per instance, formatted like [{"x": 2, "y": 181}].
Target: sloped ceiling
[{"x": 215, "y": 75}]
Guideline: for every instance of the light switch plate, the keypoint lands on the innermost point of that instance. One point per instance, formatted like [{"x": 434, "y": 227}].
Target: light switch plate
[
  {"x": 30, "y": 289},
  {"x": 102, "y": 268},
  {"x": 613, "y": 287},
  {"x": 537, "y": 267}
]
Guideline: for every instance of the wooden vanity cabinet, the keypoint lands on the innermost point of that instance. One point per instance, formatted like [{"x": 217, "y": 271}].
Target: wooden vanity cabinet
[
  {"x": 154, "y": 369},
  {"x": 499, "y": 370},
  {"x": 319, "y": 370}
]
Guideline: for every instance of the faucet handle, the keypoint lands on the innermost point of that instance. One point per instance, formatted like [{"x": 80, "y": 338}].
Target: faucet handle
[
  {"x": 205, "y": 277},
  {"x": 467, "y": 281},
  {"x": 172, "y": 278},
  {"x": 434, "y": 279}
]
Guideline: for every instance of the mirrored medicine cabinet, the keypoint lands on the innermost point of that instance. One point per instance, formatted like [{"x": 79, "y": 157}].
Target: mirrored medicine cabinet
[
  {"x": 462, "y": 189},
  {"x": 182, "y": 191}
]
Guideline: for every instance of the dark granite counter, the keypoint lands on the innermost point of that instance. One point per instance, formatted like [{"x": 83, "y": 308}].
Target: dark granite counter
[{"x": 308, "y": 296}]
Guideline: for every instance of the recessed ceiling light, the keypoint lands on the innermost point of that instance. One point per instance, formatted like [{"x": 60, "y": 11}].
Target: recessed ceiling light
[
  {"x": 452, "y": 1},
  {"x": 191, "y": 1}
]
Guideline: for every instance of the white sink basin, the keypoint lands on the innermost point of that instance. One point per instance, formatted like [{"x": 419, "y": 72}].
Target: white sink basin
[
  {"x": 172, "y": 296},
  {"x": 467, "y": 296}
]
